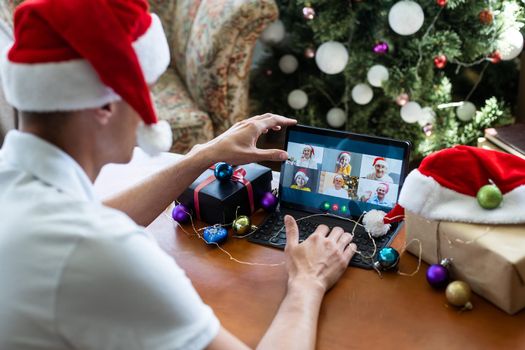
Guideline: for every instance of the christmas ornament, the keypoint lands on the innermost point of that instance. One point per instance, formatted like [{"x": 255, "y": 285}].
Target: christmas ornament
[
  {"x": 440, "y": 61},
  {"x": 428, "y": 116},
  {"x": 223, "y": 171},
  {"x": 215, "y": 234},
  {"x": 335, "y": 207},
  {"x": 406, "y": 17},
  {"x": 309, "y": 52},
  {"x": 297, "y": 99},
  {"x": 274, "y": 33},
  {"x": 381, "y": 48},
  {"x": 288, "y": 64},
  {"x": 241, "y": 225},
  {"x": 331, "y": 57},
  {"x": 441, "y": 3},
  {"x": 485, "y": 16},
  {"x": 336, "y": 117},
  {"x": 387, "y": 259},
  {"x": 362, "y": 94},
  {"x": 268, "y": 72},
  {"x": 181, "y": 214},
  {"x": 466, "y": 111},
  {"x": 438, "y": 275},
  {"x": 458, "y": 293},
  {"x": 269, "y": 201},
  {"x": 489, "y": 197},
  {"x": 377, "y": 74},
  {"x": 427, "y": 130},
  {"x": 308, "y": 13},
  {"x": 326, "y": 206},
  {"x": 411, "y": 112},
  {"x": 495, "y": 57},
  {"x": 510, "y": 44},
  {"x": 402, "y": 99}
]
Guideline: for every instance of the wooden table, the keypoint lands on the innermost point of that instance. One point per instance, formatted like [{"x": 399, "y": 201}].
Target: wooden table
[{"x": 362, "y": 311}]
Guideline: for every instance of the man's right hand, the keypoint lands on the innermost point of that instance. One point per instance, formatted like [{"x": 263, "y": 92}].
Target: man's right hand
[{"x": 319, "y": 260}]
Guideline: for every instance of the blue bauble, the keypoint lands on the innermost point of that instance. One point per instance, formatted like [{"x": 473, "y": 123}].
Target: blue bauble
[
  {"x": 223, "y": 171},
  {"x": 181, "y": 214},
  {"x": 387, "y": 258},
  {"x": 215, "y": 234}
]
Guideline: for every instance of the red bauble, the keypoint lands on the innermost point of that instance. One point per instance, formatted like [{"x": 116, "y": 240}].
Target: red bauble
[
  {"x": 495, "y": 57},
  {"x": 440, "y": 61},
  {"x": 486, "y": 17},
  {"x": 441, "y": 3}
]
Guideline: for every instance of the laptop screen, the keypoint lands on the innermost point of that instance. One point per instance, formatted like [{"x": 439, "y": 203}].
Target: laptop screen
[{"x": 341, "y": 173}]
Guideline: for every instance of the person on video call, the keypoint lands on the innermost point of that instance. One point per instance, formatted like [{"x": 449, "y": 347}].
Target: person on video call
[
  {"x": 379, "y": 197},
  {"x": 380, "y": 172},
  {"x": 342, "y": 165},
  {"x": 300, "y": 181},
  {"x": 307, "y": 158},
  {"x": 337, "y": 189},
  {"x": 81, "y": 273}
]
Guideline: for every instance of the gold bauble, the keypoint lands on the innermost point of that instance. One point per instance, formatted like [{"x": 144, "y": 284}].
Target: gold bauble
[
  {"x": 458, "y": 294},
  {"x": 241, "y": 225}
]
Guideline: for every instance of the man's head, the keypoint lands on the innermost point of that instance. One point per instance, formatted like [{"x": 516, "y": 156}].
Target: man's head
[
  {"x": 338, "y": 182},
  {"x": 301, "y": 178},
  {"x": 308, "y": 151},
  {"x": 344, "y": 158},
  {"x": 380, "y": 167},
  {"x": 382, "y": 190},
  {"x": 63, "y": 64}
]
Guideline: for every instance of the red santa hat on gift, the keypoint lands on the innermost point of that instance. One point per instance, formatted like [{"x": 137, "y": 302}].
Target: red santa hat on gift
[
  {"x": 380, "y": 160},
  {"x": 446, "y": 184},
  {"x": 76, "y": 54}
]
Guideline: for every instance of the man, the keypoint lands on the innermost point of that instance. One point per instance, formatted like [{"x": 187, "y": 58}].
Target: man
[
  {"x": 80, "y": 274},
  {"x": 379, "y": 198},
  {"x": 337, "y": 189},
  {"x": 380, "y": 171}
]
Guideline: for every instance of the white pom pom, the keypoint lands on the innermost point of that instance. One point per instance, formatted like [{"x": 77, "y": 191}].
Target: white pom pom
[
  {"x": 155, "y": 138},
  {"x": 373, "y": 221}
]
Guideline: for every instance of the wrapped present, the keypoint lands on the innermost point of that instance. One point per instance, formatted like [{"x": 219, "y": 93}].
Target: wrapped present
[
  {"x": 491, "y": 258},
  {"x": 215, "y": 201}
]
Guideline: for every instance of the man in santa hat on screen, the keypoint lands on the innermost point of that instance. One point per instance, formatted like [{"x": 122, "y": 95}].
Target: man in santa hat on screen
[{"x": 80, "y": 274}]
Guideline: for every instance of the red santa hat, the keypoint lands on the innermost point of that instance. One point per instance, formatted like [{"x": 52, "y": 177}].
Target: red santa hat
[
  {"x": 302, "y": 173},
  {"x": 311, "y": 149},
  {"x": 446, "y": 184},
  {"x": 344, "y": 154},
  {"x": 76, "y": 54},
  {"x": 380, "y": 160}
]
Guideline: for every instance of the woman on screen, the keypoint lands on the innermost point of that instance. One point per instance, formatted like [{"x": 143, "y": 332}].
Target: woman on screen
[
  {"x": 307, "y": 158},
  {"x": 343, "y": 166},
  {"x": 301, "y": 180}
]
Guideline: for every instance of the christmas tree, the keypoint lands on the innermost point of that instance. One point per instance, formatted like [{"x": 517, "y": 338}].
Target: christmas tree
[{"x": 435, "y": 72}]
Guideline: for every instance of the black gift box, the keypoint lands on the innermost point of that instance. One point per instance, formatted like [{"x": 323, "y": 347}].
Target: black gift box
[{"x": 218, "y": 200}]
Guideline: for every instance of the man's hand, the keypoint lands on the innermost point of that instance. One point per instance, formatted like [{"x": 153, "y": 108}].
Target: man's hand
[
  {"x": 321, "y": 259},
  {"x": 237, "y": 145}
]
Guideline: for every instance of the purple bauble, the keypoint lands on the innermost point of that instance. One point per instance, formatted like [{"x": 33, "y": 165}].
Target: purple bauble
[
  {"x": 381, "y": 48},
  {"x": 269, "y": 201},
  {"x": 181, "y": 214},
  {"x": 437, "y": 276}
]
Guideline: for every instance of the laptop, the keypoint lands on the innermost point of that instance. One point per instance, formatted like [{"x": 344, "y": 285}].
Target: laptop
[{"x": 333, "y": 177}]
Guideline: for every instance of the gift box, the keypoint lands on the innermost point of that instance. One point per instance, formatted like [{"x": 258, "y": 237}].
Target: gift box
[
  {"x": 491, "y": 258},
  {"x": 220, "y": 202}
]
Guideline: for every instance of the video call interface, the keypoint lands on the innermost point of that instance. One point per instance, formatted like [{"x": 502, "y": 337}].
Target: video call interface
[{"x": 340, "y": 175}]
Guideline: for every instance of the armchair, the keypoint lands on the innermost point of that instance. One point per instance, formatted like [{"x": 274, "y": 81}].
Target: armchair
[{"x": 205, "y": 89}]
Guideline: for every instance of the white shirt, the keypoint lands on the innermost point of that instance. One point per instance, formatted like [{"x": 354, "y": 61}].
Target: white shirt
[
  {"x": 332, "y": 191},
  {"x": 77, "y": 274}
]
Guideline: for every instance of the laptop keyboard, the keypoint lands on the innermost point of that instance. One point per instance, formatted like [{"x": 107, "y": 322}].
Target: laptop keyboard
[{"x": 272, "y": 233}]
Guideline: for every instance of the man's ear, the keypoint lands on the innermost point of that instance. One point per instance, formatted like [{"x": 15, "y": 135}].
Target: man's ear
[{"x": 104, "y": 114}]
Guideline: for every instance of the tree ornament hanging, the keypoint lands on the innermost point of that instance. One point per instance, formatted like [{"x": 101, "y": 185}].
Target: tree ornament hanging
[
  {"x": 428, "y": 116},
  {"x": 466, "y": 111},
  {"x": 495, "y": 57},
  {"x": 411, "y": 112},
  {"x": 486, "y": 17},
  {"x": 458, "y": 293},
  {"x": 308, "y": 13},
  {"x": 288, "y": 64},
  {"x": 427, "y": 129},
  {"x": 362, "y": 94},
  {"x": 402, "y": 99},
  {"x": 336, "y": 117},
  {"x": 440, "y": 61},
  {"x": 510, "y": 44},
  {"x": 377, "y": 74},
  {"x": 297, "y": 99},
  {"x": 331, "y": 57},
  {"x": 489, "y": 197},
  {"x": 309, "y": 52},
  {"x": 406, "y": 17},
  {"x": 274, "y": 33},
  {"x": 381, "y": 48},
  {"x": 441, "y": 3}
]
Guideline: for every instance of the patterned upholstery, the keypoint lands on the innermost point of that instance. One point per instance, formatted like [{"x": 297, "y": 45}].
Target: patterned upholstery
[{"x": 205, "y": 90}]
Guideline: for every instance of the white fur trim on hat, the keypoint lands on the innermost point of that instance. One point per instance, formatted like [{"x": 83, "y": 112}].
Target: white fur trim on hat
[
  {"x": 154, "y": 138},
  {"x": 302, "y": 174},
  {"x": 425, "y": 196},
  {"x": 373, "y": 222},
  {"x": 74, "y": 84}
]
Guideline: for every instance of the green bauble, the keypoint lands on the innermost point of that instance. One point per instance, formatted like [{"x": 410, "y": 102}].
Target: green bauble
[
  {"x": 242, "y": 225},
  {"x": 489, "y": 197}
]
